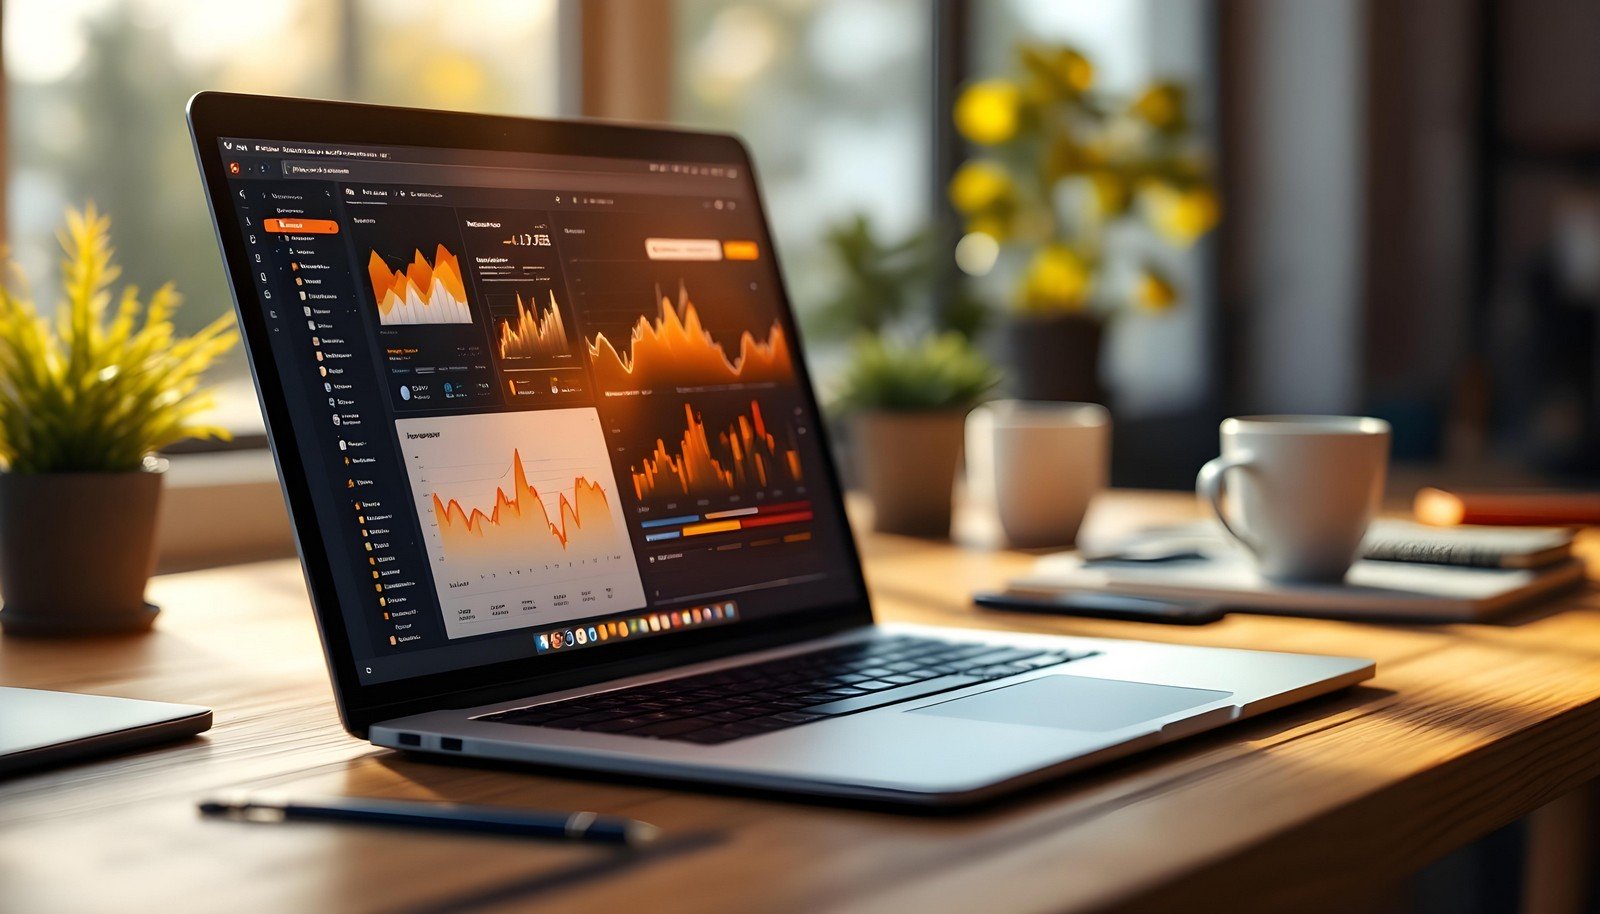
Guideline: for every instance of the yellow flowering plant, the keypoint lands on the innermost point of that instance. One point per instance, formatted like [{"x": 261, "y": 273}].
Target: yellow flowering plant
[{"x": 1060, "y": 162}]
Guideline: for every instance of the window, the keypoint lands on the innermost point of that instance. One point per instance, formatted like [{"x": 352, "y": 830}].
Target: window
[
  {"x": 96, "y": 89},
  {"x": 1158, "y": 364},
  {"x": 833, "y": 98}
]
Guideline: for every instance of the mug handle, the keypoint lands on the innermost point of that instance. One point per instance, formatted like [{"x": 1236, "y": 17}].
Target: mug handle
[{"x": 1209, "y": 486}]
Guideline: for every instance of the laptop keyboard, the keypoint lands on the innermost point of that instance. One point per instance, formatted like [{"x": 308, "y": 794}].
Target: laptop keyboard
[{"x": 730, "y": 704}]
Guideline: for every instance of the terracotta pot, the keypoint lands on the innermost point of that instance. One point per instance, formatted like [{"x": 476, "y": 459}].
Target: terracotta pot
[
  {"x": 76, "y": 551},
  {"x": 1053, "y": 357},
  {"x": 907, "y": 465}
]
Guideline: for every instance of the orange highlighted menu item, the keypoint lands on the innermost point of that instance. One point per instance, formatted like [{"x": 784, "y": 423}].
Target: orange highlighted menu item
[
  {"x": 682, "y": 249},
  {"x": 301, "y": 226},
  {"x": 740, "y": 250}
]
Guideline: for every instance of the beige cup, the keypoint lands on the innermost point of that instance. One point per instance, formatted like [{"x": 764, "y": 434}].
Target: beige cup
[
  {"x": 1039, "y": 463},
  {"x": 1298, "y": 491}
]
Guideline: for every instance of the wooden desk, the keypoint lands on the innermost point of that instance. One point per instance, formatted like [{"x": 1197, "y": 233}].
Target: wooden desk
[{"x": 1465, "y": 729}]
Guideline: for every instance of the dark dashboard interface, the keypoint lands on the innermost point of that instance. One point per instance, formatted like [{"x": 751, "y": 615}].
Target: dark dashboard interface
[{"x": 545, "y": 403}]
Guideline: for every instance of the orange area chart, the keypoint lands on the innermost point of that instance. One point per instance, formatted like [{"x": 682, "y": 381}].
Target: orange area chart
[
  {"x": 747, "y": 454},
  {"x": 422, "y": 293},
  {"x": 536, "y": 333},
  {"x": 518, "y": 526},
  {"x": 675, "y": 349}
]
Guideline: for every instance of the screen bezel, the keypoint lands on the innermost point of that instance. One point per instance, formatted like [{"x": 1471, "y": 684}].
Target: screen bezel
[{"x": 214, "y": 115}]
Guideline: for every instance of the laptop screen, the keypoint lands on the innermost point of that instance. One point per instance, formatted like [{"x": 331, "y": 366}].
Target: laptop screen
[{"x": 546, "y": 404}]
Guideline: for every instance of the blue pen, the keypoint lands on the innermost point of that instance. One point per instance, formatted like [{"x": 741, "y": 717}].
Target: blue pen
[{"x": 487, "y": 820}]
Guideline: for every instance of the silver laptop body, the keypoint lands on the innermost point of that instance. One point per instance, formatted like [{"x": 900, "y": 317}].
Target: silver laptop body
[{"x": 964, "y": 745}]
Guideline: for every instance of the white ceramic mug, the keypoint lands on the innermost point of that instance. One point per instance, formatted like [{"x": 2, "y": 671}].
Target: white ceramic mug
[
  {"x": 1298, "y": 491},
  {"x": 1039, "y": 463}
]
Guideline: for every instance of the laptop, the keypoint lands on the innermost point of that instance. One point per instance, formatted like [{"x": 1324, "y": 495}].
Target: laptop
[
  {"x": 40, "y": 728},
  {"x": 562, "y": 491}
]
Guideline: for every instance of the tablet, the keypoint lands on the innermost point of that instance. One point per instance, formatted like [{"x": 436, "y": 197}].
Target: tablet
[{"x": 39, "y": 728}]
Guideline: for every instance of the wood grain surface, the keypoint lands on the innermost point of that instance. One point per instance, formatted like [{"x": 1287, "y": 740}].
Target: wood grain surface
[{"x": 1465, "y": 729}]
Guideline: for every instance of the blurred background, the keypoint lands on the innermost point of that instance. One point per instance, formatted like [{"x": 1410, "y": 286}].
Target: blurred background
[{"x": 1348, "y": 207}]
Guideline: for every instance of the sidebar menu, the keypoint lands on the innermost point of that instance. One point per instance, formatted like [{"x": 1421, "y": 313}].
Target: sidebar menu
[{"x": 294, "y": 236}]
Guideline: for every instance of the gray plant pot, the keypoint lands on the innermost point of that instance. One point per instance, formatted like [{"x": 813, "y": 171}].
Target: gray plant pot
[
  {"x": 907, "y": 465},
  {"x": 76, "y": 551}
]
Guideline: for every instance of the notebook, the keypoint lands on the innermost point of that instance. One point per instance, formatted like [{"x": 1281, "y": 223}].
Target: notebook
[
  {"x": 1384, "y": 590},
  {"x": 1387, "y": 539},
  {"x": 1484, "y": 547}
]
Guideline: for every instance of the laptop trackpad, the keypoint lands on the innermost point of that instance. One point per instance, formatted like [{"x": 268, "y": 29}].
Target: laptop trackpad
[{"x": 1075, "y": 703}]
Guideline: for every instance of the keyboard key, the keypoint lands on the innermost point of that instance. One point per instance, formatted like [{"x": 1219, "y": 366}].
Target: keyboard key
[
  {"x": 671, "y": 728},
  {"x": 618, "y": 725},
  {"x": 875, "y": 685},
  {"x": 1003, "y": 655},
  {"x": 711, "y": 737},
  {"x": 999, "y": 671},
  {"x": 1051, "y": 659},
  {"x": 582, "y": 721},
  {"x": 797, "y": 717},
  {"x": 847, "y": 691},
  {"x": 757, "y": 725},
  {"x": 725, "y": 717},
  {"x": 890, "y": 696},
  {"x": 957, "y": 653}
]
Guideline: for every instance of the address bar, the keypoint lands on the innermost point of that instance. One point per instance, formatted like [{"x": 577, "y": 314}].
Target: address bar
[{"x": 489, "y": 176}]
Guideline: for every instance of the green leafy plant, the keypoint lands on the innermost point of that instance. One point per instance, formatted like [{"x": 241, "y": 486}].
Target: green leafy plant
[
  {"x": 940, "y": 372},
  {"x": 99, "y": 388},
  {"x": 877, "y": 279},
  {"x": 884, "y": 284}
]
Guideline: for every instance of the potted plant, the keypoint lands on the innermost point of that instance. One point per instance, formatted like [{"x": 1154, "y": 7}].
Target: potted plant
[
  {"x": 880, "y": 284},
  {"x": 908, "y": 402},
  {"x": 1067, "y": 178},
  {"x": 86, "y": 402}
]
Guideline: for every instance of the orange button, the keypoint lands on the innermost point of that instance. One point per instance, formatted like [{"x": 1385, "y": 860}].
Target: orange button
[
  {"x": 719, "y": 526},
  {"x": 740, "y": 250},
  {"x": 301, "y": 226}
]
